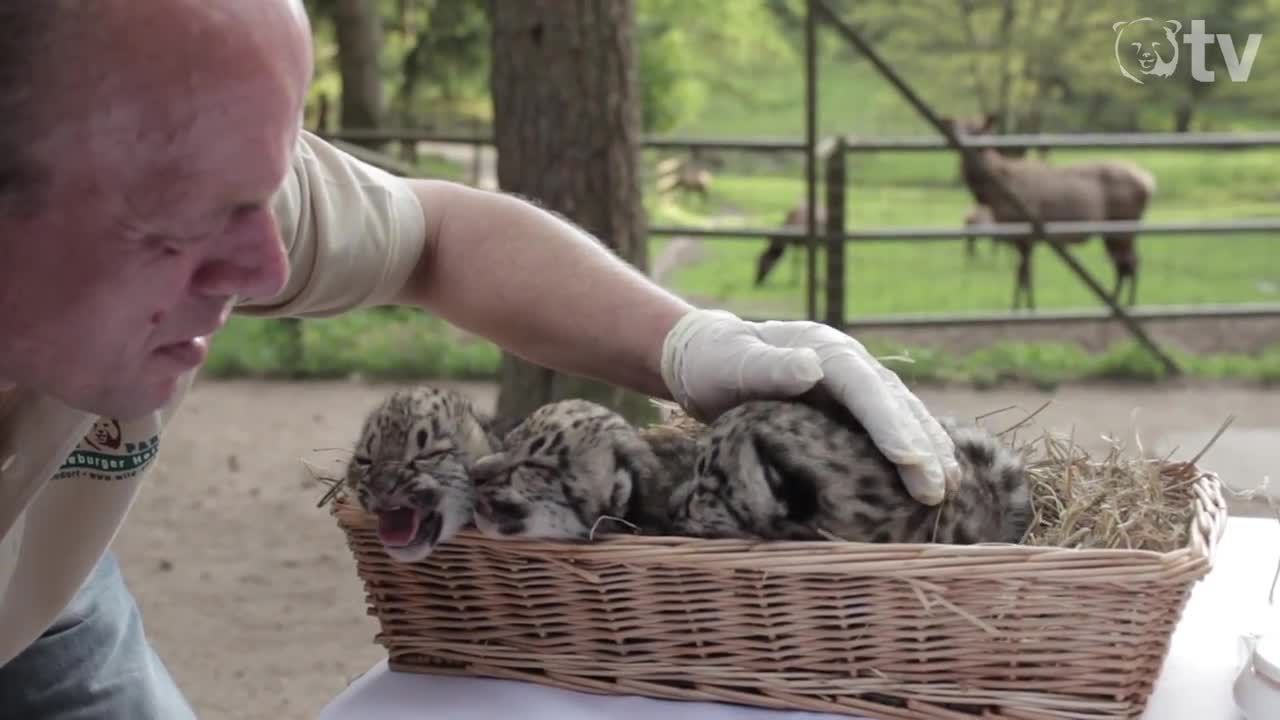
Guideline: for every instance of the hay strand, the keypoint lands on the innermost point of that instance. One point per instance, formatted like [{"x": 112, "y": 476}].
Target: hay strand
[
  {"x": 1212, "y": 440},
  {"x": 336, "y": 483},
  {"x": 1119, "y": 501}
]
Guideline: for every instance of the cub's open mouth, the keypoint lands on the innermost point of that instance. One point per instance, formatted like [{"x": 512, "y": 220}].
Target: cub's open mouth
[{"x": 408, "y": 527}]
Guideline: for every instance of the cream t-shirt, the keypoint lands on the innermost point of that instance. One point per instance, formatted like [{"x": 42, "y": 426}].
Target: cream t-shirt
[{"x": 67, "y": 478}]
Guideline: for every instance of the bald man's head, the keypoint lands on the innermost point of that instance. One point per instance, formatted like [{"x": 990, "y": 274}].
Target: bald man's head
[
  {"x": 64, "y": 60},
  {"x": 142, "y": 144}
]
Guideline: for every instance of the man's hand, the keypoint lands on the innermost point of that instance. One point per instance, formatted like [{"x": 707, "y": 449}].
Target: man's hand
[{"x": 712, "y": 360}]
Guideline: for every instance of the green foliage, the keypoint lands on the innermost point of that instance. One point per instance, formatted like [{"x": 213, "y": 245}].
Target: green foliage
[
  {"x": 378, "y": 343},
  {"x": 684, "y": 47},
  {"x": 669, "y": 96},
  {"x": 1048, "y": 364},
  {"x": 1047, "y": 64},
  {"x": 736, "y": 66},
  {"x": 406, "y": 346},
  {"x": 446, "y": 54},
  {"x": 434, "y": 60}
]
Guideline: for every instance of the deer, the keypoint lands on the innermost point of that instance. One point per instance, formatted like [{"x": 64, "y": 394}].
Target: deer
[
  {"x": 686, "y": 175},
  {"x": 1090, "y": 191},
  {"x": 796, "y": 217},
  {"x": 983, "y": 126}
]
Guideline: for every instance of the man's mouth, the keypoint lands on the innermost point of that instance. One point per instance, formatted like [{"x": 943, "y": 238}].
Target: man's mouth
[
  {"x": 405, "y": 527},
  {"x": 186, "y": 354}
]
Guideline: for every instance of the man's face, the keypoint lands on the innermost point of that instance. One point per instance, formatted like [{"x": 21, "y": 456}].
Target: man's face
[{"x": 156, "y": 217}]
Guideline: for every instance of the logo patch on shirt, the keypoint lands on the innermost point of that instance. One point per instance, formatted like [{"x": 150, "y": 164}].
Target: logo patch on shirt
[{"x": 112, "y": 450}]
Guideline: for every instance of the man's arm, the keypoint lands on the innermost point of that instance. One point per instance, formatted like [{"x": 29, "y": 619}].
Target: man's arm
[{"x": 539, "y": 287}]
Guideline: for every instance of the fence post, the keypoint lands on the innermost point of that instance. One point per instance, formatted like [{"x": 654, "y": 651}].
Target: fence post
[
  {"x": 834, "y": 232},
  {"x": 477, "y": 150},
  {"x": 811, "y": 158},
  {"x": 409, "y": 151}
]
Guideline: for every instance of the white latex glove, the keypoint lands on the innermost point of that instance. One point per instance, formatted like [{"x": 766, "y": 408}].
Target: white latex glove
[{"x": 713, "y": 360}]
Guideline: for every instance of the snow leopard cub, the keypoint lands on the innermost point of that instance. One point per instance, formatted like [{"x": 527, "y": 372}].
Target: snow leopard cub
[
  {"x": 570, "y": 463},
  {"x": 785, "y": 470},
  {"x": 411, "y": 467}
]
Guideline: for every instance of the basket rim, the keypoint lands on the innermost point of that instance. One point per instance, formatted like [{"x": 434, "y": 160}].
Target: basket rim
[{"x": 918, "y": 560}]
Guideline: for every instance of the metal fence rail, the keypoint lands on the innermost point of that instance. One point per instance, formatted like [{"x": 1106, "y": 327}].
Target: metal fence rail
[
  {"x": 854, "y": 143},
  {"x": 1136, "y": 141},
  {"x": 1065, "y": 317},
  {"x": 1056, "y": 229},
  {"x": 926, "y": 233},
  {"x": 752, "y": 144},
  {"x": 813, "y": 237}
]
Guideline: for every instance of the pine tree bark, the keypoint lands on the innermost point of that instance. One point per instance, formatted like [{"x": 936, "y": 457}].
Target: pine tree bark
[{"x": 566, "y": 109}]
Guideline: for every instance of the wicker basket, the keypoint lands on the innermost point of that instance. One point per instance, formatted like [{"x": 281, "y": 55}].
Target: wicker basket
[{"x": 885, "y": 631}]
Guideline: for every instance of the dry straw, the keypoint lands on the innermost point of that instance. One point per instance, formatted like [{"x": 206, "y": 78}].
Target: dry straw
[
  {"x": 1073, "y": 623},
  {"x": 1122, "y": 500}
]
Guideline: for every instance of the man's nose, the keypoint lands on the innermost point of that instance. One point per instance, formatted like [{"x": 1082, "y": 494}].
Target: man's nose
[{"x": 249, "y": 262}]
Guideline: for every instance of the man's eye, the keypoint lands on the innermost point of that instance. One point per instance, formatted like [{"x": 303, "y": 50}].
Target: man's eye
[
  {"x": 162, "y": 245},
  {"x": 245, "y": 210}
]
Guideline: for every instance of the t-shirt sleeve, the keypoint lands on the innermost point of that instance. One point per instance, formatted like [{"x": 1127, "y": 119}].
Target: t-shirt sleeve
[{"x": 353, "y": 234}]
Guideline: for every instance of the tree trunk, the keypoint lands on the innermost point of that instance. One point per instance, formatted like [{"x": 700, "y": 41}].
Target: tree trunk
[
  {"x": 359, "y": 35},
  {"x": 566, "y": 110}
]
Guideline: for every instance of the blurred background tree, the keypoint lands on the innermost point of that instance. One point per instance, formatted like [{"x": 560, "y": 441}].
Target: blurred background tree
[
  {"x": 568, "y": 138},
  {"x": 1042, "y": 64},
  {"x": 431, "y": 58},
  {"x": 735, "y": 68}
]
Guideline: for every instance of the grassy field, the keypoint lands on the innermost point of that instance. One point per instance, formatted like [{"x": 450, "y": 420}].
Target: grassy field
[
  {"x": 923, "y": 189},
  {"x": 915, "y": 189},
  {"x": 406, "y": 345},
  {"x": 886, "y": 189}
]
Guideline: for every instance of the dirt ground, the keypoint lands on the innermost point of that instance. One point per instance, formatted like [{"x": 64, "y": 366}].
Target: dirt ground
[{"x": 249, "y": 593}]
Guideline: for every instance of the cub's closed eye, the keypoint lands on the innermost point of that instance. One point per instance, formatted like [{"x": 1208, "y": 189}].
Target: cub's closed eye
[
  {"x": 434, "y": 453},
  {"x": 361, "y": 461}
]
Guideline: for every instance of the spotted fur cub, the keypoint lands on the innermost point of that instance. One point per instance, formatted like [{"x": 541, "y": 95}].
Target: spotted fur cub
[
  {"x": 788, "y": 470},
  {"x": 411, "y": 467},
  {"x": 570, "y": 463}
]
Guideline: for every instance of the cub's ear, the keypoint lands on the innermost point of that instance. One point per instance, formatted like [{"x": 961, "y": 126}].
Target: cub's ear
[
  {"x": 475, "y": 441},
  {"x": 1116, "y": 26},
  {"x": 488, "y": 466}
]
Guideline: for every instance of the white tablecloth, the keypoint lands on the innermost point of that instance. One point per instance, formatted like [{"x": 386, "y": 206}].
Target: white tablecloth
[{"x": 1195, "y": 684}]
